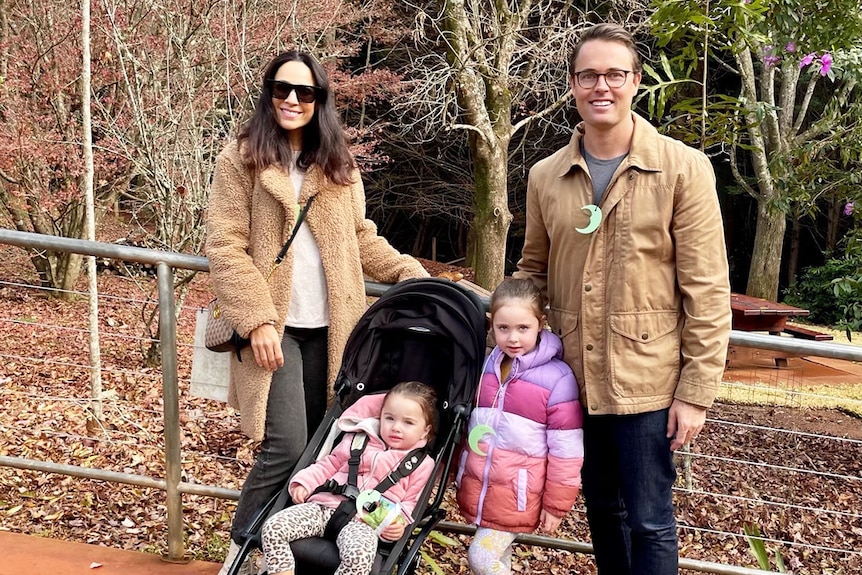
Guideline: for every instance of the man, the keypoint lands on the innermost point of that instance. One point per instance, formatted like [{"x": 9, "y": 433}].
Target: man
[{"x": 624, "y": 234}]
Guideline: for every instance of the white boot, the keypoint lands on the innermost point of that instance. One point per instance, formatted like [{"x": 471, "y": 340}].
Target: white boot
[{"x": 245, "y": 569}]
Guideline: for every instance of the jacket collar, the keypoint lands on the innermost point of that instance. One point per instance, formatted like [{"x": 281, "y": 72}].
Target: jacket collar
[
  {"x": 276, "y": 181},
  {"x": 644, "y": 154}
]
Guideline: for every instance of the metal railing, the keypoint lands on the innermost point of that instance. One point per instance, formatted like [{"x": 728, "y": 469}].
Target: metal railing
[{"x": 172, "y": 483}]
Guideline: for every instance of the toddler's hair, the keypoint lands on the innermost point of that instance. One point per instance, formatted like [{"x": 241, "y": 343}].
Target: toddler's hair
[
  {"x": 422, "y": 394},
  {"x": 522, "y": 290}
]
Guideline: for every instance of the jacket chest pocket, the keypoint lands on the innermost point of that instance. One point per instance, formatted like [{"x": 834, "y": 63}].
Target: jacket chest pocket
[{"x": 644, "y": 352}]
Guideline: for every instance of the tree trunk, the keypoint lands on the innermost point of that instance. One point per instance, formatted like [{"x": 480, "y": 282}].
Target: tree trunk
[
  {"x": 833, "y": 225},
  {"x": 486, "y": 252},
  {"x": 94, "y": 421},
  {"x": 766, "y": 255},
  {"x": 793, "y": 260}
]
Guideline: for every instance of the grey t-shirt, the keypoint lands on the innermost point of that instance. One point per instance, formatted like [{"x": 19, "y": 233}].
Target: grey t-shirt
[{"x": 601, "y": 172}]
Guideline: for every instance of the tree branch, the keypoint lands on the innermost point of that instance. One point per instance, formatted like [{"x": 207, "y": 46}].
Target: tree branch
[
  {"x": 9, "y": 178},
  {"x": 546, "y": 112},
  {"x": 806, "y": 101}
]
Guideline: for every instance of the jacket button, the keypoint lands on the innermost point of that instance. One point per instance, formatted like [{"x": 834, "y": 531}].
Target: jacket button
[
  {"x": 589, "y": 347},
  {"x": 588, "y": 288},
  {"x": 644, "y": 336},
  {"x": 594, "y": 407}
]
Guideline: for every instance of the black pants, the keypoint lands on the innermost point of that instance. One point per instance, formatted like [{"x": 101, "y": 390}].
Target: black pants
[{"x": 295, "y": 407}]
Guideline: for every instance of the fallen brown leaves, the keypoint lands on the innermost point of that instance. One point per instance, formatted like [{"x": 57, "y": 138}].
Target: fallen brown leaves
[{"x": 44, "y": 386}]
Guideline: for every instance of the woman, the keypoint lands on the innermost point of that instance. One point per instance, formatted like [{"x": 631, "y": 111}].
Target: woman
[{"x": 298, "y": 315}]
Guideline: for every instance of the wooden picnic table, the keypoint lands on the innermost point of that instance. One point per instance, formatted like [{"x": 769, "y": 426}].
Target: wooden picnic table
[{"x": 757, "y": 314}]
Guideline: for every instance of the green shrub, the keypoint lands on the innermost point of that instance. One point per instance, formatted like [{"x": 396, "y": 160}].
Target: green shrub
[{"x": 829, "y": 291}]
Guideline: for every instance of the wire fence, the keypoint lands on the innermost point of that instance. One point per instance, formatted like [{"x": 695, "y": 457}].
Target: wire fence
[{"x": 758, "y": 462}]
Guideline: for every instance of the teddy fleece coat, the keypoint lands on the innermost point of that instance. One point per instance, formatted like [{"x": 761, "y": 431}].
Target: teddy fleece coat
[
  {"x": 249, "y": 219},
  {"x": 376, "y": 463},
  {"x": 534, "y": 455}
]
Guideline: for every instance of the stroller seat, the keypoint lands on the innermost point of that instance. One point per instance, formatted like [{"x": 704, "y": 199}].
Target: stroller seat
[{"x": 428, "y": 330}]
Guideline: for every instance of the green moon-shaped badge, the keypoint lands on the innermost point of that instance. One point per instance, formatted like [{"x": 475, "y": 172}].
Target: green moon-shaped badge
[
  {"x": 476, "y": 434},
  {"x": 366, "y": 497},
  {"x": 595, "y": 219}
]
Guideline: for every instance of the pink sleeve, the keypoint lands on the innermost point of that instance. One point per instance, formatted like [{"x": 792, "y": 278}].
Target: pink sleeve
[{"x": 316, "y": 474}]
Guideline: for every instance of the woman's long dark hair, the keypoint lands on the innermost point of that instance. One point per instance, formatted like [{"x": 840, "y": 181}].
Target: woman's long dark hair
[{"x": 323, "y": 139}]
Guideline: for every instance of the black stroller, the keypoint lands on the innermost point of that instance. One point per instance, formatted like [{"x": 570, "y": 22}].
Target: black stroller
[{"x": 427, "y": 330}]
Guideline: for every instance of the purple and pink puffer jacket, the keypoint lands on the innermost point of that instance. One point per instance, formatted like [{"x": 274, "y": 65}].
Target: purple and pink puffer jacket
[{"x": 536, "y": 449}]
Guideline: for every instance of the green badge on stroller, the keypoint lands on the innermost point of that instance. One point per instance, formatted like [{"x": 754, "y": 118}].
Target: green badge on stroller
[{"x": 377, "y": 511}]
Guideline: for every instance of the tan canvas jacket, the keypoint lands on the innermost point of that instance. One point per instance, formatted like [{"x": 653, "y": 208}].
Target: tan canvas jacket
[
  {"x": 248, "y": 221},
  {"x": 643, "y": 303}
]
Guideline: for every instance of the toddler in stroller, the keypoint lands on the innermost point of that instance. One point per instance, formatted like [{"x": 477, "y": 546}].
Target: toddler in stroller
[
  {"x": 389, "y": 433},
  {"x": 424, "y": 330}
]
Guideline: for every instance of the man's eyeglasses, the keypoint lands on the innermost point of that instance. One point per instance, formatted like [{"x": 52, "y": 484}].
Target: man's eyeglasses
[
  {"x": 304, "y": 94},
  {"x": 614, "y": 78}
]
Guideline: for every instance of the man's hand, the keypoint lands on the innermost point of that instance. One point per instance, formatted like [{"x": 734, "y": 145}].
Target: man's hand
[
  {"x": 266, "y": 343},
  {"x": 684, "y": 422}
]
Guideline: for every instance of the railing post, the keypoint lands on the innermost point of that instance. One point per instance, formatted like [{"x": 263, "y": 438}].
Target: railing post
[{"x": 171, "y": 397}]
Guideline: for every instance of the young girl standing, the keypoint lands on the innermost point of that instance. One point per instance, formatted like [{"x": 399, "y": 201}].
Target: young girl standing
[
  {"x": 395, "y": 424},
  {"x": 521, "y": 467}
]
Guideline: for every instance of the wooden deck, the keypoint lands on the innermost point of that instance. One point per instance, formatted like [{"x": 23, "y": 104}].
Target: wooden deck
[{"x": 40, "y": 555}]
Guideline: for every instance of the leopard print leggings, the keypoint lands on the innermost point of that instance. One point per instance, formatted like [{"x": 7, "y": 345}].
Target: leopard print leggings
[{"x": 357, "y": 542}]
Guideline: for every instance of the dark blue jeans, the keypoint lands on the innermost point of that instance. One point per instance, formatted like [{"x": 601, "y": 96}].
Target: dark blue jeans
[
  {"x": 628, "y": 476},
  {"x": 295, "y": 407}
]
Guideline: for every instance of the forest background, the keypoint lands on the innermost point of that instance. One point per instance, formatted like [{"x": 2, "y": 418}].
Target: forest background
[{"x": 448, "y": 104}]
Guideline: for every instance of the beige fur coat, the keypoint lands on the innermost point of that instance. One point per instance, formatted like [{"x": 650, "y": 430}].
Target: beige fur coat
[{"x": 248, "y": 221}]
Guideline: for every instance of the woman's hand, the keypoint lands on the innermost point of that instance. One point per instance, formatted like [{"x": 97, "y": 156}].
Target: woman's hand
[
  {"x": 548, "y": 522},
  {"x": 266, "y": 343},
  {"x": 298, "y": 493},
  {"x": 393, "y": 531}
]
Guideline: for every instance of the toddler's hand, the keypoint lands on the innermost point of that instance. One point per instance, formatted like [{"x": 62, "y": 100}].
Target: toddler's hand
[
  {"x": 393, "y": 532},
  {"x": 548, "y": 522},
  {"x": 298, "y": 493}
]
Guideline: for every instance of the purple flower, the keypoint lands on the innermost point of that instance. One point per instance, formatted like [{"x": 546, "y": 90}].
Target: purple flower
[
  {"x": 769, "y": 60},
  {"x": 791, "y": 47},
  {"x": 807, "y": 59},
  {"x": 848, "y": 208},
  {"x": 825, "y": 63}
]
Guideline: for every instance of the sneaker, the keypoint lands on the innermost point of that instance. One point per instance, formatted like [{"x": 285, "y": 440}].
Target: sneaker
[{"x": 247, "y": 567}]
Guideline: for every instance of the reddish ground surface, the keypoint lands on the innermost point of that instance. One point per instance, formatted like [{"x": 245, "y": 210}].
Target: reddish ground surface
[{"x": 38, "y": 556}]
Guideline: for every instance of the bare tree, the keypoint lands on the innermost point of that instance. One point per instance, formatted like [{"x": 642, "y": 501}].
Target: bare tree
[
  {"x": 490, "y": 70},
  {"x": 41, "y": 164},
  {"x": 87, "y": 146}
]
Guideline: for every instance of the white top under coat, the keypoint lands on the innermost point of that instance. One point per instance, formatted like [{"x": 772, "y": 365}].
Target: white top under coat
[{"x": 309, "y": 302}]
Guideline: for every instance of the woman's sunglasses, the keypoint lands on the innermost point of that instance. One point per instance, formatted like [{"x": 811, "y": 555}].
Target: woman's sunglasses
[{"x": 304, "y": 94}]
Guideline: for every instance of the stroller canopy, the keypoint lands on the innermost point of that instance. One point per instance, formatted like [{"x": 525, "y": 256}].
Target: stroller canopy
[{"x": 421, "y": 329}]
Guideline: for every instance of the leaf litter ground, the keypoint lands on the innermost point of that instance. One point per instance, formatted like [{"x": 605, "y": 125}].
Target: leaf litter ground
[{"x": 44, "y": 387}]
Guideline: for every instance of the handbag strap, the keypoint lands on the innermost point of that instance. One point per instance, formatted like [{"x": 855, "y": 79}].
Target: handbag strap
[{"x": 299, "y": 219}]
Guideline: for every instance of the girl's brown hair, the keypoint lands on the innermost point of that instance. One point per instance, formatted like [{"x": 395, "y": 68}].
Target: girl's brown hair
[
  {"x": 422, "y": 394},
  {"x": 521, "y": 290}
]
